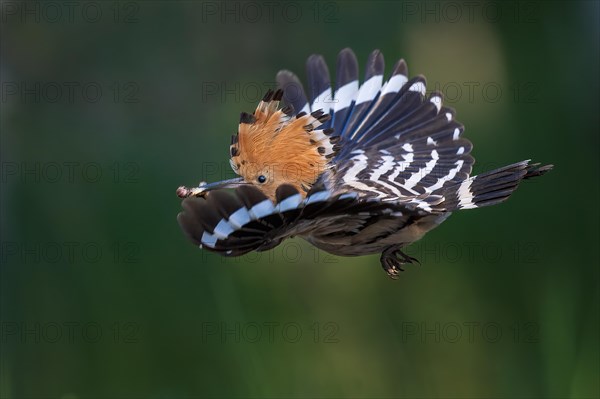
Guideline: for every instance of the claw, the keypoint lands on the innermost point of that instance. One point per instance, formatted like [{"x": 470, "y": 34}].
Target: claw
[{"x": 392, "y": 260}]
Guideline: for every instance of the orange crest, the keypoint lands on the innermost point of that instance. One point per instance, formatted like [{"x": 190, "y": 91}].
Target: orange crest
[{"x": 273, "y": 148}]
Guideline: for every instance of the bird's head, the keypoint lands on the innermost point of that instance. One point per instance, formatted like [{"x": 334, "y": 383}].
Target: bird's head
[{"x": 272, "y": 147}]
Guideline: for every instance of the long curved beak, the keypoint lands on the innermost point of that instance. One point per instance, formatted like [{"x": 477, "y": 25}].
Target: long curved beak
[{"x": 184, "y": 192}]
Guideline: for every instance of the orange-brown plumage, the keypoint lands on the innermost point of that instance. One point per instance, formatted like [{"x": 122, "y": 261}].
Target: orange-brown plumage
[{"x": 272, "y": 148}]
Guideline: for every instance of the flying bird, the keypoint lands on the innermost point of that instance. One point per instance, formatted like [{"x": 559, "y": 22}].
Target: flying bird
[{"x": 354, "y": 169}]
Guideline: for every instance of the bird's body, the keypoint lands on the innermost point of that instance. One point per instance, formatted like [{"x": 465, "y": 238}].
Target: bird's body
[
  {"x": 360, "y": 170},
  {"x": 376, "y": 238}
]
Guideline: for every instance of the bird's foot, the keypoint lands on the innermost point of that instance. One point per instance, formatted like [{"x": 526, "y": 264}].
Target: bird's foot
[{"x": 392, "y": 260}]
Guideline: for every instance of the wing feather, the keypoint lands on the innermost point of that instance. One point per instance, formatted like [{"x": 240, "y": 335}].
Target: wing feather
[
  {"x": 395, "y": 141},
  {"x": 234, "y": 223}
]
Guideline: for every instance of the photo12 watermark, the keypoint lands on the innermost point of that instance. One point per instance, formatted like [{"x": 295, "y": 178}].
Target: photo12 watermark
[
  {"x": 69, "y": 172},
  {"x": 69, "y": 332},
  {"x": 289, "y": 251},
  {"x": 470, "y": 332},
  {"x": 70, "y": 12},
  {"x": 70, "y": 92},
  {"x": 451, "y": 12},
  {"x": 269, "y": 332},
  {"x": 475, "y": 251},
  {"x": 251, "y": 12},
  {"x": 69, "y": 252},
  {"x": 487, "y": 92}
]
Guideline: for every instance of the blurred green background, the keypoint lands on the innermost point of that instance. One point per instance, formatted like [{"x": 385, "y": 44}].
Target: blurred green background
[{"x": 107, "y": 107}]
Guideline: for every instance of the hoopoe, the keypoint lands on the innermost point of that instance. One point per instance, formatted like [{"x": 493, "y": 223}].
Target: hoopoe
[{"x": 356, "y": 170}]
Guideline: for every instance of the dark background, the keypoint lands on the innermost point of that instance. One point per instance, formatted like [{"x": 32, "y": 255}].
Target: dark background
[{"x": 108, "y": 106}]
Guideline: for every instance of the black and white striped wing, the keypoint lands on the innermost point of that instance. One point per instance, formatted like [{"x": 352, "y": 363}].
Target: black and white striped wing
[
  {"x": 395, "y": 141},
  {"x": 244, "y": 220}
]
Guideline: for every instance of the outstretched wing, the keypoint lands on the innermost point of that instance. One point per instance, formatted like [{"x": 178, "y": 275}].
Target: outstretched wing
[
  {"x": 396, "y": 142},
  {"x": 234, "y": 223}
]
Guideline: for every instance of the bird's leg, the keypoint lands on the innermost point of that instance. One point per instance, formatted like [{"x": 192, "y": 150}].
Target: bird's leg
[{"x": 392, "y": 260}]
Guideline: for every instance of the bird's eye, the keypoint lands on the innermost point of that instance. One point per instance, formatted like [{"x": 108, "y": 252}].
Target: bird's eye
[{"x": 261, "y": 179}]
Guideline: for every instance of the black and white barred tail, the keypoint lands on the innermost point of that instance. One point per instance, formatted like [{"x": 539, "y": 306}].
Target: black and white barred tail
[{"x": 489, "y": 188}]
